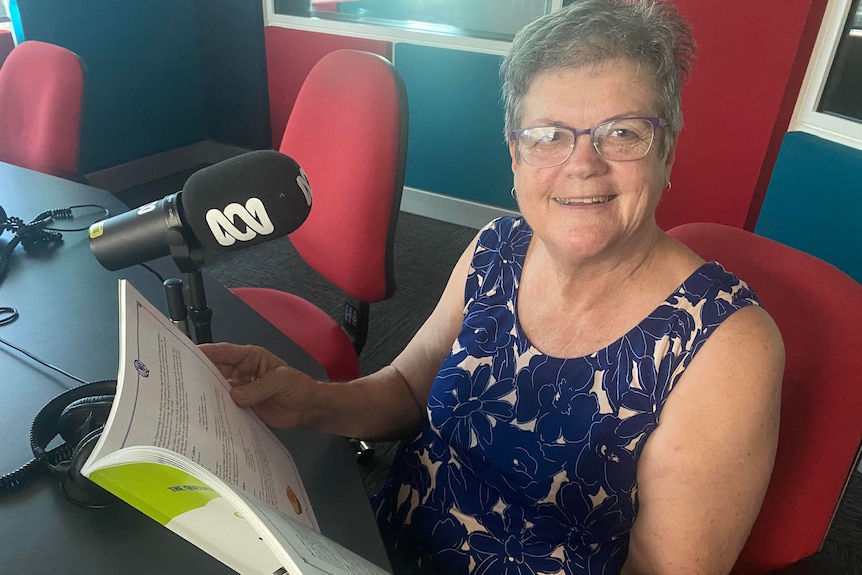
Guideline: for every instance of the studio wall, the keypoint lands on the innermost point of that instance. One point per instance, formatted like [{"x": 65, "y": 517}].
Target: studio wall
[
  {"x": 751, "y": 59},
  {"x": 737, "y": 105},
  {"x": 143, "y": 88},
  {"x": 813, "y": 201},
  {"x": 160, "y": 75}
]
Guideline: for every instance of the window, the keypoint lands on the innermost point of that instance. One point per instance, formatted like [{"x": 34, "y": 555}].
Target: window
[
  {"x": 488, "y": 24},
  {"x": 842, "y": 93},
  {"x": 830, "y": 103},
  {"x": 4, "y": 12}
]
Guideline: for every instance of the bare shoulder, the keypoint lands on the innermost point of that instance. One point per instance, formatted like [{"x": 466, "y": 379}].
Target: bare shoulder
[
  {"x": 703, "y": 472},
  {"x": 747, "y": 342}
]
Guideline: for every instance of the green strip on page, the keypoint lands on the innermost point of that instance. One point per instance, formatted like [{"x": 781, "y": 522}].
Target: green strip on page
[{"x": 159, "y": 491}]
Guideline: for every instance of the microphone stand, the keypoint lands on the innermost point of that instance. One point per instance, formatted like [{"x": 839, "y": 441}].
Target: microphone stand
[{"x": 189, "y": 258}]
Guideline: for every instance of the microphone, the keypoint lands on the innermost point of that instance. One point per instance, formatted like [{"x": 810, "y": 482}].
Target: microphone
[{"x": 240, "y": 202}]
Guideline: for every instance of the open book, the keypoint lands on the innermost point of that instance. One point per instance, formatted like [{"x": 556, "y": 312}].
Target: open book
[{"x": 177, "y": 448}]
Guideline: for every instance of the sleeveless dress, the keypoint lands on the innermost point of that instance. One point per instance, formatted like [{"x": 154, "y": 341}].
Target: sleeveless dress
[{"x": 527, "y": 463}]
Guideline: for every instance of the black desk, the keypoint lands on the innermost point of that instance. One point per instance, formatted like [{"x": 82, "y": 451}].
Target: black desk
[{"x": 69, "y": 318}]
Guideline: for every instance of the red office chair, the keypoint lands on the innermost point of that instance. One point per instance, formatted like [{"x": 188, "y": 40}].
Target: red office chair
[
  {"x": 41, "y": 96},
  {"x": 817, "y": 308},
  {"x": 348, "y": 131}
]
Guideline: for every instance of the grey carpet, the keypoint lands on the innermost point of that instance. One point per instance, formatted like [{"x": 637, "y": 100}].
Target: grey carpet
[{"x": 425, "y": 252}]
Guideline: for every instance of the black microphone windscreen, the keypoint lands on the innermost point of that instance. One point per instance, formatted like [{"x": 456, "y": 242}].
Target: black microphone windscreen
[{"x": 246, "y": 200}]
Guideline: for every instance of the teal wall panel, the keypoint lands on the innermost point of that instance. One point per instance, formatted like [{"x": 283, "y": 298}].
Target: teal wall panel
[
  {"x": 233, "y": 69},
  {"x": 814, "y": 203},
  {"x": 456, "y": 142},
  {"x": 144, "y": 92}
]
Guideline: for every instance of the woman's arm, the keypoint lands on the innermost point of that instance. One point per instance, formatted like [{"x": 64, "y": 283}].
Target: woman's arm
[
  {"x": 389, "y": 403},
  {"x": 704, "y": 471}
]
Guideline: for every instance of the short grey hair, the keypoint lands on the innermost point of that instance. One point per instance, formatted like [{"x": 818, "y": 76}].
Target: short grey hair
[{"x": 651, "y": 33}]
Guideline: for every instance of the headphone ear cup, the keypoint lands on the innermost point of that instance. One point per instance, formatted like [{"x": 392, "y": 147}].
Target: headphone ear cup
[
  {"x": 78, "y": 416},
  {"x": 77, "y": 488},
  {"x": 82, "y": 416}
]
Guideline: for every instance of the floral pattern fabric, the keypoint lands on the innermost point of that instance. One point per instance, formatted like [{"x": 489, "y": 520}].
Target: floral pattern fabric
[{"x": 527, "y": 463}]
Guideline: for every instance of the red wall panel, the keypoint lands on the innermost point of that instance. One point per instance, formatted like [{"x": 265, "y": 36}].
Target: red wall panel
[
  {"x": 290, "y": 55},
  {"x": 751, "y": 58}
]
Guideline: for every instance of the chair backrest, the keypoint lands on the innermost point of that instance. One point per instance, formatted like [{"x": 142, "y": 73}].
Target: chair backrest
[
  {"x": 348, "y": 131},
  {"x": 817, "y": 309},
  {"x": 41, "y": 97}
]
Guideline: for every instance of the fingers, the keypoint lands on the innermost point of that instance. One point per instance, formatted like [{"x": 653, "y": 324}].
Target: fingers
[
  {"x": 225, "y": 353},
  {"x": 242, "y": 396},
  {"x": 259, "y": 390}
]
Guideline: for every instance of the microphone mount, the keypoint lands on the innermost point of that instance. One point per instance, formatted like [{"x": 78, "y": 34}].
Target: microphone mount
[{"x": 188, "y": 255}]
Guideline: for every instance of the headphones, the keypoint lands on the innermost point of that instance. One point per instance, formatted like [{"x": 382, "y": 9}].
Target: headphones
[{"x": 78, "y": 416}]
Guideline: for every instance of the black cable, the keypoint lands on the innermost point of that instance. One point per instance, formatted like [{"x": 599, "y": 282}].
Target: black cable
[
  {"x": 36, "y": 233},
  {"x": 34, "y": 468},
  {"x": 22, "y": 476},
  {"x": 43, "y": 362},
  {"x": 8, "y": 315},
  {"x": 67, "y": 214},
  {"x": 30, "y": 234},
  {"x": 154, "y": 272}
]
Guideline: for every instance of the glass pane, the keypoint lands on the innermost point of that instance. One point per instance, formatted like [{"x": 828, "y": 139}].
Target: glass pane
[
  {"x": 842, "y": 95},
  {"x": 491, "y": 19}
]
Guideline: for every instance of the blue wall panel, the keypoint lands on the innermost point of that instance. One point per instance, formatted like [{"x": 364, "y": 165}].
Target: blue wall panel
[
  {"x": 233, "y": 68},
  {"x": 144, "y": 92},
  {"x": 814, "y": 203},
  {"x": 456, "y": 142}
]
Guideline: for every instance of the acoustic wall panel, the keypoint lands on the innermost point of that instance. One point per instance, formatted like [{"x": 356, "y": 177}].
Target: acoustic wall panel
[
  {"x": 813, "y": 201},
  {"x": 456, "y": 144},
  {"x": 143, "y": 89}
]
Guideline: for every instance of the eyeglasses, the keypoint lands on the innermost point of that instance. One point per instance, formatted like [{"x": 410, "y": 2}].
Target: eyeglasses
[{"x": 620, "y": 140}]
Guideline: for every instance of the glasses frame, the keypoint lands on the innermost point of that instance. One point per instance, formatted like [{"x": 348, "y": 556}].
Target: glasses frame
[{"x": 655, "y": 122}]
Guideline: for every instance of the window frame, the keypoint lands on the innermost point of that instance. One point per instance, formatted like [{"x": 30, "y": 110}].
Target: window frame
[
  {"x": 388, "y": 33},
  {"x": 5, "y": 21},
  {"x": 806, "y": 117}
]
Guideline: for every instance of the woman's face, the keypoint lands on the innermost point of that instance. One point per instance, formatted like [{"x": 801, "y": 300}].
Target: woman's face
[{"x": 559, "y": 202}]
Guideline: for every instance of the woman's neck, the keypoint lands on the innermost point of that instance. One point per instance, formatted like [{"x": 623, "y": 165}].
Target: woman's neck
[{"x": 616, "y": 269}]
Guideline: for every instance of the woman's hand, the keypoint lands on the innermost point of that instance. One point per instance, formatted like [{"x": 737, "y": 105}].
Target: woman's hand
[{"x": 280, "y": 395}]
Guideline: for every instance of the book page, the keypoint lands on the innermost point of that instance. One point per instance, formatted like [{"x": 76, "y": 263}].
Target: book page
[
  {"x": 312, "y": 552},
  {"x": 169, "y": 395}
]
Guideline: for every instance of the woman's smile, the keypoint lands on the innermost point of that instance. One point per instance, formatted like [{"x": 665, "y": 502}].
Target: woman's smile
[{"x": 584, "y": 201}]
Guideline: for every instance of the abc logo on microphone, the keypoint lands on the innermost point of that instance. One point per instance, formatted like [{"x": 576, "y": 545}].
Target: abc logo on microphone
[{"x": 223, "y": 223}]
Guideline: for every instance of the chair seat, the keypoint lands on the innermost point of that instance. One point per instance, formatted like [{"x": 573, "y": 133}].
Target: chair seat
[{"x": 308, "y": 326}]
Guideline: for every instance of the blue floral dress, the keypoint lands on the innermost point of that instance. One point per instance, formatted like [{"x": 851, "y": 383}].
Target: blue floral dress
[{"x": 527, "y": 463}]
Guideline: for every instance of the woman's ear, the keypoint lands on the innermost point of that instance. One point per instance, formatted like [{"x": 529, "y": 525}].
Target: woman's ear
[
  {"x": 513, "y": 153},
  {"x": 669, "y": 159}
]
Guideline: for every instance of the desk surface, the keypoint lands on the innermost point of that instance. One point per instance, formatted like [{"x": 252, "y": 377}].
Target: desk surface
[{"x": 69, "y": 318}]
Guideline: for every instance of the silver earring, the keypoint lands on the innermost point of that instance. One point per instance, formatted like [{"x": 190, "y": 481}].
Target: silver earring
[
  {"x": 669, "y": 185},
  {"x": 514, "y": 193}
]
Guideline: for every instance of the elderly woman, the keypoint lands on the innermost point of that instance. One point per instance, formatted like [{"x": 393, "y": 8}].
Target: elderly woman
[{"x": 588, "y": 396}]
